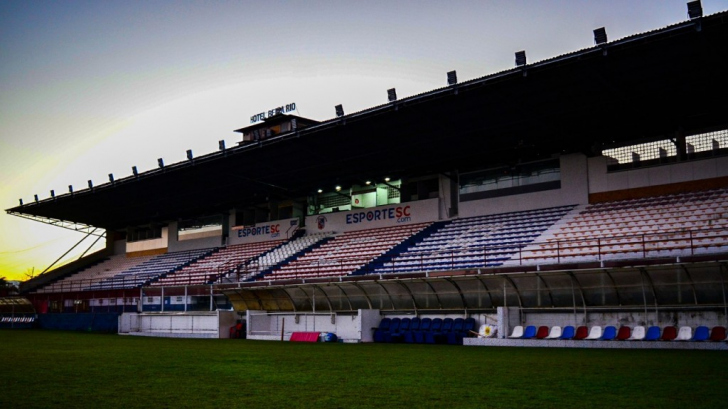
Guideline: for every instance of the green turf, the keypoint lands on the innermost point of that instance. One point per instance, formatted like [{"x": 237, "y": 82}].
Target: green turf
[{"x": 85, "y": 370}]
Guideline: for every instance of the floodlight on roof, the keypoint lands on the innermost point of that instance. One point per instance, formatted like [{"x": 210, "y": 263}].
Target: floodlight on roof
[
  {"x": 21, "y": 202},
  {"x": 160, "y": 162},
  {"x": 221, "y": 144},
  {"x": 70, "y": 189},
  {"x": 90, "y": 184},
  {"x": 600, "y": 36},
  {"x": 111, "y": 177},
  {"x": 320, "y": 191},
  {"x": 695, "y": 9},
  {"x": 135, "y": 171},
  {"x": 368, "y": 182},
  {"x": 339, "y": 110},
  {"x": 189, "y": 154},
  {"x": 53, "y": 193},
  {"x": 338, "y": 188},
  {"x": 520, "y": 58},
  {"x": 36, "y": 198},
  {"x": 452, "y": 78},
  {"x": 392, "y": 94},
  {"x": 386, "y": 179}
]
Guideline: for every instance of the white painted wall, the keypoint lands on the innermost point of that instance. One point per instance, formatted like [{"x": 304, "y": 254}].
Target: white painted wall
[
  {"x": 213, "y": 325},
  {"x": 153, "y": 244},
  {"x": 601, "y": 181},
  {"x": 574, "y": 190}
]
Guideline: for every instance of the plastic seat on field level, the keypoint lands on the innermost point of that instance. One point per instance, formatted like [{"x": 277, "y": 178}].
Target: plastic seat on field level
[
  {"x": 567, "y": 332},
  {"x": 581, "y": 332},
  {"x": 718, "y": 334},
  {"x": 702, "y": 333},
  {"x": 609, "y": 334},
  {"x": 542, "y": 332},
  {"x": 517, "y": 332},
  {"x": 595, "y": 333},
  {"x": 555, "y": 333},
  {"x": 684, "y": 334},
  {"x": 529, "y": 332},
  {"x": 624, "y": 333},
  {"x": 653, "y": 333},
  {"x": 669, "y": 334}
]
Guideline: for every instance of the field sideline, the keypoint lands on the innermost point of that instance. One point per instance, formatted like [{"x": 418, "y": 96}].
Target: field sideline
[{"x": 85, "y": 370}]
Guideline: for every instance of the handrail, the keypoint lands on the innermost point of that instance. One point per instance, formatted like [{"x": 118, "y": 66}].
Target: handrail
[{"x": 647, "y": 244}]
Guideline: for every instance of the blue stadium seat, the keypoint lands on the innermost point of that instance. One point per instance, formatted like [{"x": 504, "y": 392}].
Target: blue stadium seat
[
  {"x": 404, "y": 326},
  {"x": 455, "y": 337},
  {"x": 441, "y": 337},
  {"x": 530, "y": 332},
  {"x": 567, "y": 332},
  {"x": 435, "y": 328},
  {"x": 653, "y": 333},
  {"x": 702, "y": 333},
  {"x": 393, "y": 329},
  {"x": 609, "y": 334},
  {"x": 409, "y": 336},
  {"x": 382, "y": 329},
  {"x": 424, "y": 328}
]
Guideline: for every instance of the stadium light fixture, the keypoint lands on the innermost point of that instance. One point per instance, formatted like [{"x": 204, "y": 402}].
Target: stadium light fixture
[
  {"x": 36, "y": 198},
  {"x": 189, "y": 154},
  {"x": 452, "y": 78},
  {"x": 392, "y": 94},
  {"x": 160, "y": 162},
  {"x": 21, "y": 202},
  {"x": 135, "y": 171},
  {"x": 387, "y": 179},
  {"x": 294, "y": 124},
  {"x": 320, "y": 191},
  {"x": 368, "y": 182},
  {"x": 70, "y": 189},
  {"x": 111, "y": 178},
  {"x": 695, "y": 9},
  {"x": 338, "y": 188},
  {"x": 221, "y": 144},
  {"x": 90, "y": 184},
  {"x": 53, "y": 193},
  {"x": 520, "y": 58},
  {"x": 339, "y": 110},
  {"x": 600, "y": 36}
]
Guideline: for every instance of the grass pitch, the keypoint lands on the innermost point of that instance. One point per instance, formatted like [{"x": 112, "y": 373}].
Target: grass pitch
[{"x": 85, "y": 370}]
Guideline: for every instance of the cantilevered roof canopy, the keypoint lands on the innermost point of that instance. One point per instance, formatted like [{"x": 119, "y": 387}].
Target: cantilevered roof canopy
[{"x": 642, "y": 87}]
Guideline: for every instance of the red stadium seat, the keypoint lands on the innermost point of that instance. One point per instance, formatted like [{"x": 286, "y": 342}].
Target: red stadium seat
[
  {"x": 623, "y": 333},
  {"x": 718, "y": 334},
  {"x": 543, "y": 332},
  {"x": 669, "y": 334},
  {"x": 582, "y": 332}
]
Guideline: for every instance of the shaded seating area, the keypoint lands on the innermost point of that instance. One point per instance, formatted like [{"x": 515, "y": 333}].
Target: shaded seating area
[{"x": 424, "y": 330}]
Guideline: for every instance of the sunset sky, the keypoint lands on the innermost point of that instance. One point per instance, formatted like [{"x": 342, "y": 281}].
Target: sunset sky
[{"x": 89, "y": 88}]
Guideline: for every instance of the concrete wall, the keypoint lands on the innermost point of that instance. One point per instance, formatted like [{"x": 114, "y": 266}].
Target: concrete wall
[
  {"x": 513, "y": 316},
  {"x": 152, "y": 244},
  {"x": 601, "y": 181},
  {"x": 214, "y": 324},
  {"x": 185, "y": 245},
  {"x": 574, "y": 190}
]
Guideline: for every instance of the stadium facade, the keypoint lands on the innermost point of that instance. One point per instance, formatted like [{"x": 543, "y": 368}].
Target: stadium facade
[{"x": 587, "y": 190}]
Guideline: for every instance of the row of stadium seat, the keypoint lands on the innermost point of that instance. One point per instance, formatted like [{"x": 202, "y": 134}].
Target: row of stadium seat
[
  {"x": 424, "y": 331},
  {"x": 208, "y": 268},
  {"x": 624, "y": 333},
  {"x": 345, "y": 253},
  {"x": 24, "y": 319},
  {"x": 142, "y": 273},
  {"x": 660, "y": 226},
  {"x": 475, "y": 242}
]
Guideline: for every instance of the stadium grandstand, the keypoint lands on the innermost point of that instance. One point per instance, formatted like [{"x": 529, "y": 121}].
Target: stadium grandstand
[{"x": 580, "y": 200}]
